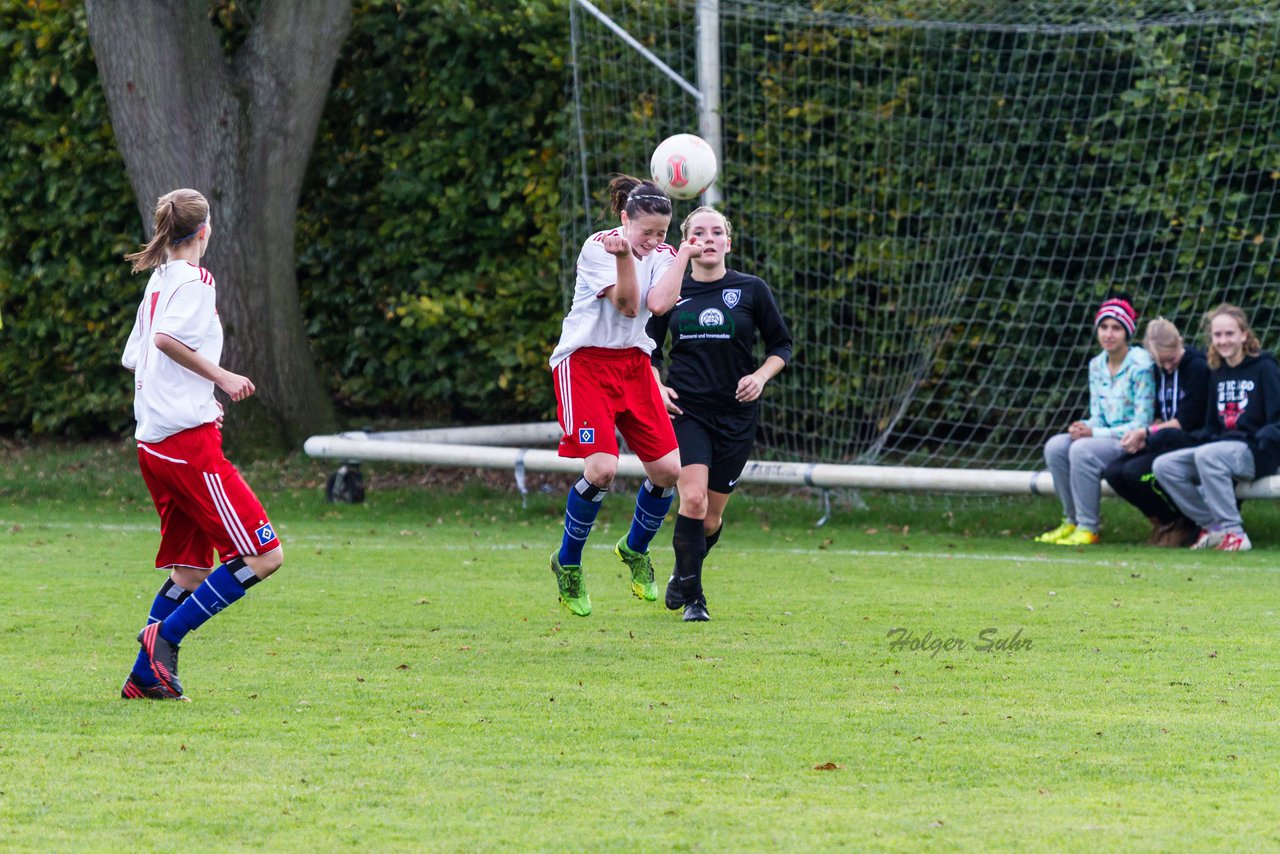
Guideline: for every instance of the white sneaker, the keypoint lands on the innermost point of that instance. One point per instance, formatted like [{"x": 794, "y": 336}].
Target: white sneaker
[
  {"x": 1208, "y": 540},
  {"x": 1235, "y": 542}
]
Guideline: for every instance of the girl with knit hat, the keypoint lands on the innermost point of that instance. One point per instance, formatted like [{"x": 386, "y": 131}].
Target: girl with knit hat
[{"x": 1121, "y": 398}]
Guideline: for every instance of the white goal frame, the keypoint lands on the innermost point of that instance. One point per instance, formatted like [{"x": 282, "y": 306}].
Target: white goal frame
[{"x": 468, "y": 447}]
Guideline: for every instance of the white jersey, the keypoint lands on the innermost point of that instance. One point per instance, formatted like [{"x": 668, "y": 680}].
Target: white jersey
[
  {"x": 168, "y": 398},
  {"x": 592, "y": 321}
]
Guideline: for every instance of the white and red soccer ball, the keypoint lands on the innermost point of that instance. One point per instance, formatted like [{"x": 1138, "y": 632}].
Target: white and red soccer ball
[{"x": 684, "y": 166}]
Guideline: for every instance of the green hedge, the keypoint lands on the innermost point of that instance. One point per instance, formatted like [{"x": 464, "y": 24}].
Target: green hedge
[
  {"x": 429, "y": 235},
  {"x": 428, "y": 228},
  {"x": 66, "y": 216}
]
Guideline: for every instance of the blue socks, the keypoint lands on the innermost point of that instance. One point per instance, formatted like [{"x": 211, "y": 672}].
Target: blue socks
[
  {"x": 579, "y": 515},
  {"x": 225, "y": 586},
  {"x": 166, "y": 602},
  {"x": 652, "y": 504}
]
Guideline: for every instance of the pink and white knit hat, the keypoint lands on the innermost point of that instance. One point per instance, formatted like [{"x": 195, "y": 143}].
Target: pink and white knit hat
[{"x": 1120, "y": 311}]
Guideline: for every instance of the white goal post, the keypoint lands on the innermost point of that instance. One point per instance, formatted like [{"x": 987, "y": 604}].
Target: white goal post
[{"x": 466, "y": 447}]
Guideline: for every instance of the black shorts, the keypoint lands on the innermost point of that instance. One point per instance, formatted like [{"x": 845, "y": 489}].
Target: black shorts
[{"x": 721, "y": 442}]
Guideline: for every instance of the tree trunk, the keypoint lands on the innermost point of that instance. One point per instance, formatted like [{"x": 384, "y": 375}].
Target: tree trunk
[{"x": 238, "y": 128}]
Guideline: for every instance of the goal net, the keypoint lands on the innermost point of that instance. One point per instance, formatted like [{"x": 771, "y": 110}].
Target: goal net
[{"x": 940, "y": 193}]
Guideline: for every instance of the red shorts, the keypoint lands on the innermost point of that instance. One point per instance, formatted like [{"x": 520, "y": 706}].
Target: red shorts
[
  {"x": 204, "y": 504},
  {"x": 598, "y": 389}
]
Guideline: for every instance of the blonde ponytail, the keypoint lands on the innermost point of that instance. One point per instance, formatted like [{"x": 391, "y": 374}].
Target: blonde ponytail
[{"x": 179, "y": 215}]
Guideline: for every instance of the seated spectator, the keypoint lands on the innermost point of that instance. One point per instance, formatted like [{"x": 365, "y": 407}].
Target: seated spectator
[
  {"x": 1121, "y": 399},
  {"x": 1239, "y": 441},
  {"x": 1181, "y": 377}
]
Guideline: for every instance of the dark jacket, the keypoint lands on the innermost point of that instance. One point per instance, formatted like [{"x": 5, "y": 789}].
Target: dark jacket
[
  {"x": 1243, "y": 406},
  {"x": 1184, "y": 394}
]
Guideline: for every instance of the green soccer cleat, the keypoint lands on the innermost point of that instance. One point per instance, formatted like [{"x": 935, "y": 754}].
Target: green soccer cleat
[
  {"x": 1066, "y": 529},
  {"x": 642, "y": 584},
  {"x": 573, "y": 591},
  {"x": 1078, "y": 537}
]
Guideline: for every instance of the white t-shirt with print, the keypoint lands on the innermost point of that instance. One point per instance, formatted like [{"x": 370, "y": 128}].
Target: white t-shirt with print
[
  {"x": 180, "y": 301},
  {"x": 593, "y": 321}
]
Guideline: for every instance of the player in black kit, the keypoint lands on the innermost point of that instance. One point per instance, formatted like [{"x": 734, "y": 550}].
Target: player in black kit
[{"x": 712, "y": 390}]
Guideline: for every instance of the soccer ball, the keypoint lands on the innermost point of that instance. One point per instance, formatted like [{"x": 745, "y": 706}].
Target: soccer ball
[{"x": 684, "y": 166}]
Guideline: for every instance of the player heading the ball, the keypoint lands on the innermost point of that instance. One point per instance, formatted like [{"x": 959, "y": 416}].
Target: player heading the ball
[{"x": 603, "y": 381}]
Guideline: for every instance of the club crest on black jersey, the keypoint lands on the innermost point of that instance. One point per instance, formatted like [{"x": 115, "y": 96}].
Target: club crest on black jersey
[{"x": 709, "y": 323}]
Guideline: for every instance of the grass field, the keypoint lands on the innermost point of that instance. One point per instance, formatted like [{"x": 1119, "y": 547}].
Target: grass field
[{"x": 408, "y": 682}]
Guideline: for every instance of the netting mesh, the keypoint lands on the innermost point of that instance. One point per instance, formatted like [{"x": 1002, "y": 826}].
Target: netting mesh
[{"x": 941, "y": 194}]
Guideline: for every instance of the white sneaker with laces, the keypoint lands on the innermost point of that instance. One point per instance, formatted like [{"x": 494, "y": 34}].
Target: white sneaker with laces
[
  {"x": 1235, "y": 542},
  {"x": 1208, "y": 540}
]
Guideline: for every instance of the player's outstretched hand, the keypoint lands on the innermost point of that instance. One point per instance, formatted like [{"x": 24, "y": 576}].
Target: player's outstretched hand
[
  {"x": 616, "y": 245},
  {"x": 669, "y": 399},
  {"x": 237, "y": 387},
  {"x": 750, "y": 388},
  {"x": 692, "y": 247}
]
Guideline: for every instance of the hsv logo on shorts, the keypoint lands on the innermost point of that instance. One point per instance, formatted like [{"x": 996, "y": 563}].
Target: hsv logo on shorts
[
  {"x": 586, "y": 436},
  {"x": 265, "y": 534}
]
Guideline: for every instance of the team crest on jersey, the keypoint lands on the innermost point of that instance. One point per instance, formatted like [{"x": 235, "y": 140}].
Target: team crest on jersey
[
  {"x": 710, "y": 317},
  {"x": 265, "y": 534},
  {"x": 731, "y": 296},
  {"x": 586, "y": 435}
]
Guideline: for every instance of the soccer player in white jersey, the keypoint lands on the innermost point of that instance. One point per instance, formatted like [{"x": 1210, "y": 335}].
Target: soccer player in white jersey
[
  {"x": 206, "y": 509},
  {"x": 603, "y": 381}
]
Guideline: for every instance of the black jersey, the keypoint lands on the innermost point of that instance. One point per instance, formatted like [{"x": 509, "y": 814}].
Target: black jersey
[{"x": 713, "y": 329}]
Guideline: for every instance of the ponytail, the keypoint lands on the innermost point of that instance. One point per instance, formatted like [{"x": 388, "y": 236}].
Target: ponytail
[
  {"x": 179, "y": 217},
  {"x": 637, "y": 197}
]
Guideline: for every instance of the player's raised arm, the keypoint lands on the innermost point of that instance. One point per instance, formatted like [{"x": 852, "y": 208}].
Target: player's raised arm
[
  {"x": 663, "y": 295},
  {"x": 625, "y": 293}
]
